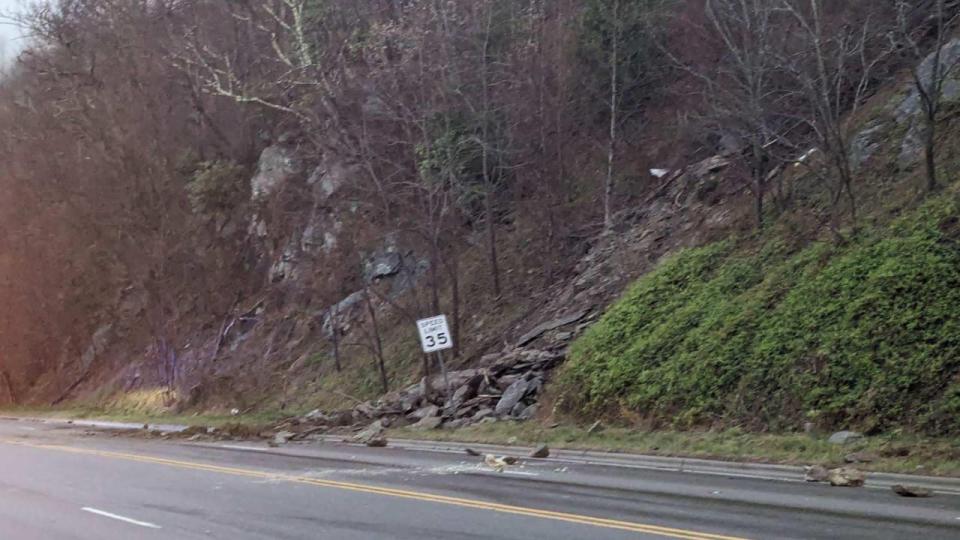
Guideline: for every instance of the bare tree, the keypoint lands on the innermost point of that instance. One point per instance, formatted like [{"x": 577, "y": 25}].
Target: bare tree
[
  {"x": 618, "y": 37},
  {"x": 832, "y": 65},
  {"x": 928, "y": 76},
  {"x": 744, "y": 93}
]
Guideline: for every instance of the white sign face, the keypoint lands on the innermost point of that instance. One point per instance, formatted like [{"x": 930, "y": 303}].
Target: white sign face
[{"x": 434, "y": 334}]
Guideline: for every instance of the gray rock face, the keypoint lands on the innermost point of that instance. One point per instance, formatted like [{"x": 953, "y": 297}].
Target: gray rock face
[
  {"x": 285, "y": 267},
  {"x": 511, "y": 397},
  {"x": 911, "y": 147},
  {"x": 866, "y": 143},
  {"x": 344, "y": 312},
  {"x": 329, "y": 177},
  {"x": 98, "y": 344},
  {"x": 909, "y": 110},
  {"x": 844, "y": 437},
  {"x": 277, "y": 165},
  {"x": 383, "y": 265}
]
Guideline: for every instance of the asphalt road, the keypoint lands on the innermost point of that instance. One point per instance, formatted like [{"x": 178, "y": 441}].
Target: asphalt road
[{"x": 60, "y": 482}]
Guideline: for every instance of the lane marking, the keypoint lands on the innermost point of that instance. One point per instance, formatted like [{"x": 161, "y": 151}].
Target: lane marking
[
  {"x": 121, "y": 518},
  {"x": 666, "y": 532}
]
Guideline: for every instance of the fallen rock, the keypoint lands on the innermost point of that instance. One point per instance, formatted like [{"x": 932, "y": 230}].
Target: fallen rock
[
  {"x": 464, "y": 393},
  {"x": 552, "y": 325},
  {"x": 378, "y": 442},
  {"x": 844, "y": 437},
  {"x": 410, "y": 401},
  {"x": 847, "y": 477},
  {"x": 456, "y": 424},
  {"x": 428, "y": 423},
  {"x": 861, "y": 457},
  {"x": 528, "y": 412},
  {"x": 193, "y": 431},
  {"x": 481, "y": 414},
  {"x": 472, "y": 452},
  {"x": 499, "y": 463},
  {"x": 817, "y": 473},
  {"x": 513, "y": 394},
  {"x": 425, "y": 412},
  {"x": 316, "y": 415},
  {"x": 911, "y": 491},
  {"x": 540, "y": 452},
  {"x": 373, "y": 433},
  {"x": 282, "y": 437}
]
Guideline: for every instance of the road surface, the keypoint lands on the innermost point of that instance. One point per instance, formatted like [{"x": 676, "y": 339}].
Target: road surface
[{"x": 64, "y": 482}]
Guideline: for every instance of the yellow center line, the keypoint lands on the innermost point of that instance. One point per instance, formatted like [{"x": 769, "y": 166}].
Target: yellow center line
[{"x": 390, "y": 492}]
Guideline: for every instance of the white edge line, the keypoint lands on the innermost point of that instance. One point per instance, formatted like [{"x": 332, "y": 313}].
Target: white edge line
[{"x": 121, "y": 518}]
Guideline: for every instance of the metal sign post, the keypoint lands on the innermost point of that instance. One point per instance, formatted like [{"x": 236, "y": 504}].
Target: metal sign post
[{"x": 435, "y": 337}]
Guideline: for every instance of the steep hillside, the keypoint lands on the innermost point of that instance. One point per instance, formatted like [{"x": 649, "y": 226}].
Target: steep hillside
[
  {"x": 206, "y": 214},
  {"x": 770, "y": 336}
]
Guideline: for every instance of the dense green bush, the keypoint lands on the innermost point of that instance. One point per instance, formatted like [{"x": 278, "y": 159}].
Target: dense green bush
[
  {"x": 866, "y": 334},
  {"x": 216, "y": 187}
]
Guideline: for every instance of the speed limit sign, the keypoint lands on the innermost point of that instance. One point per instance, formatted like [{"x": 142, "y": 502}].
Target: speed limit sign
[{"x": 434, "y": 334}]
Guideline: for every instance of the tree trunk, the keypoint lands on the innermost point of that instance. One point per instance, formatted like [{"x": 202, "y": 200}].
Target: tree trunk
[
  {"x": 434, "y": 276},
  {"x": 758, "y": 203},
  {"x": 455, "y": 293},
  {"x": 492, "y": 242},
  {"x": 8, "y": 387},
  {"x": 614, "y": 105},
  {"x": 377, "y": 342},
  {"x": 759, "y": 182},
  {"x": 335, "y": 337},
  {"x": 929, "y": 154}
]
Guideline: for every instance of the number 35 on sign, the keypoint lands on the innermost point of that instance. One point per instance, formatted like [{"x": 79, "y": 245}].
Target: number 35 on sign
[{"x": 434, "y": 334}]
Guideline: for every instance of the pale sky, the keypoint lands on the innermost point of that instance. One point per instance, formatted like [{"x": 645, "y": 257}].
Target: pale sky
[{"x": 11, "y": 39}]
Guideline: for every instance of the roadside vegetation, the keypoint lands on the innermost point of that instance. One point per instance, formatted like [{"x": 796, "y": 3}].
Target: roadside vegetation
[{"x": 758, "y": 334}]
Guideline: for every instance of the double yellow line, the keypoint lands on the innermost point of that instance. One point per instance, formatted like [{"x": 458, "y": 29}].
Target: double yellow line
[{"x": 666, "y": 532}]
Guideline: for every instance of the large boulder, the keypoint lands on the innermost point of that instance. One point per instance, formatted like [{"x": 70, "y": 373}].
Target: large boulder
[
  {"x": 372, "y": 435},
  {"x": 428, "y": 423},
  {"x": 426, "y": 412},
  {"x": 909, "y": 110},
  {"x": 846, "y": 477},
  {"x": 511, "y": 397},
  {"x": 844, "y": 437}
]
